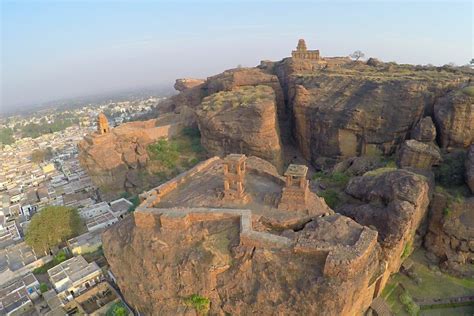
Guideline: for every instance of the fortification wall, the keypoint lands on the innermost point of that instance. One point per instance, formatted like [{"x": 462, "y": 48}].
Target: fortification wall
[{"x": 339, "y": 261}]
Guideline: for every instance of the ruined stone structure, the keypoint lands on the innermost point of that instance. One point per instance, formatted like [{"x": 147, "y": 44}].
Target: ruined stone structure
[
  {"x": 302, "y": 52},
  {"x": 295, "y": 193},
  {"x": 102, "y": 124},
  {"x": 220, "y": 241},
  {"x": 234, "y": 177}
]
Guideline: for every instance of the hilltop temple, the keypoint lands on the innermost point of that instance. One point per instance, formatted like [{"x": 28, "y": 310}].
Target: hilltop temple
[{"x": 302, "y": 52}]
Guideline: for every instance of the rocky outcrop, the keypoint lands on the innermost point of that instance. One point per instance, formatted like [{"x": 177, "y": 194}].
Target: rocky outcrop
[
  {"x": 234, "y": 78},
  {"x": 454, "y": 118},
  {"x": 418, "y": 155},
  {"x": 244, "y": 121},
  {"x": 469, "y": 165},
  {"x": 115, "y": 160},
  {"x": 355, "y": 109},
  {"x": 451, "y": 233},
  {"x": 242, "y": 276},
  {"x": 424, "y": 131},
  {"x": 393, "y": 202},
  {"x": 187, "y": 83}
]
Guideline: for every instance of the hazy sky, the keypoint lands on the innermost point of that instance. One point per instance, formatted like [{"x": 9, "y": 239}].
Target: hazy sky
[{"x": 59, "y": 49}]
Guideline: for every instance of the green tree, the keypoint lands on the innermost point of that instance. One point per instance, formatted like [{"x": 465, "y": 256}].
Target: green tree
[
  {"x": 6, "y": 136},
  {"x": 117, "y": 309},
  {"x": 40, "y": 155},
  {"x": 52, "y": 226}
]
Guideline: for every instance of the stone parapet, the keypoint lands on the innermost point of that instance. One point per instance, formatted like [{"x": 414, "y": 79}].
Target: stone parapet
[{"x": 153, "y": 197}]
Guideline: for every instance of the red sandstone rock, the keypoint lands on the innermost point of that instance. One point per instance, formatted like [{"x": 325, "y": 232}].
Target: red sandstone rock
[{"x": 184, "y": 84}]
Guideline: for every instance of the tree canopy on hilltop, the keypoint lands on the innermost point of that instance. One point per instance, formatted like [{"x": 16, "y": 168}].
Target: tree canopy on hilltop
[{"x": 52, "y": 226}]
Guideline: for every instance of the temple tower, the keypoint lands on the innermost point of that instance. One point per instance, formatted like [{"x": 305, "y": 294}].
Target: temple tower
[
  {"x": 234, "y": 177},
  {"x": 102, "y": 124},
  {"x": 295, "y": 193},
  {"x": 301, "y": 45}
]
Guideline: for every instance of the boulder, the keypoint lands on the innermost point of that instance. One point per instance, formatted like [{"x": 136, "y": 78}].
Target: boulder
[
  {"x": 418, "y": 155},
  {"x": 469, "y": 164},
  {"x": 357, "y": 166},
  {"x": 454, "y": 118},
  {"x": 394, "y": 202},
  {"x": 187, "y": 83},
  {"x": 244, "y": 121},
  {"x": 374, "y": 62},
  {"x": 424, "y": 130}
]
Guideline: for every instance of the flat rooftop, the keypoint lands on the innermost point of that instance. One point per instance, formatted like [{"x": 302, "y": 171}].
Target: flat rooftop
[
  {"x": 72, "y": 270},
  {"x": 296, "y": 171}
]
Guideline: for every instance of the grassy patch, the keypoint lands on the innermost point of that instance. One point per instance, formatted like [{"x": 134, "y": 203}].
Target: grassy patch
[
  {"x": 165, "y": 152},
  {"x": 339, "y": 179},
  {"x": 171, "y": 157},
  {"x": 335, "y": 184},
  {"x": 407, "y": 250},
  {"x": 468, "y": 91},
  {"x": 434, "y": 284},
  {"x": 331, "y": 197},
  {"x": 243, "y": 96},
  {"x": 410, "y": 306},
  {"x": 200, "y": 303},
  {"x": 379, "y": 171}
]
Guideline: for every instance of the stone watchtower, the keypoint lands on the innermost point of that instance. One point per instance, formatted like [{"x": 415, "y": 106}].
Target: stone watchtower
[
  {"x": 102, "y": 124},
  {"x": 302, "y": 52},
  {"x": 234, "y": 177},
  {"x": 295, "y": 193}
]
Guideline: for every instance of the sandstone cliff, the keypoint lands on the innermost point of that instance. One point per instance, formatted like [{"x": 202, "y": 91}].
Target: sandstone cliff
[{"x": 355, "y": 109}]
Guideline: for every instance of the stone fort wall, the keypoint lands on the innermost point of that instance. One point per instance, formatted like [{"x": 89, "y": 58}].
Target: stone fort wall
[{"x": 340, "y": 261}]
